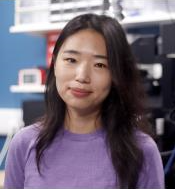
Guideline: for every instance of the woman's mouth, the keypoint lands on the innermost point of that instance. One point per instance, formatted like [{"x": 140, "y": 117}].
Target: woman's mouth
[{"x": 77, "y": 92}]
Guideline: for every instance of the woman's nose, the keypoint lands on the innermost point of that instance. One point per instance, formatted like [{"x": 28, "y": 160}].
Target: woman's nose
[{"x": 83, "y": 73}]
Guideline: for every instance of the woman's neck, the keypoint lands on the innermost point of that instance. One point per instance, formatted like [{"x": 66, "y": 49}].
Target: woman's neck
[{"x": 81, "y": 123}]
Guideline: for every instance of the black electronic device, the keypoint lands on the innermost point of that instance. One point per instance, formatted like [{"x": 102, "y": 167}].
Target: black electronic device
[
  {"x": 166, "y": 41},
  {"x": 32, "y": 111},
  {"x": 144, "y": 48},
  {"x": 168, "y": 84}
]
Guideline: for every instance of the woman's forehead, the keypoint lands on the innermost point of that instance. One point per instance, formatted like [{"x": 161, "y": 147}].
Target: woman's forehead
[{"x": 85, "y": 41}]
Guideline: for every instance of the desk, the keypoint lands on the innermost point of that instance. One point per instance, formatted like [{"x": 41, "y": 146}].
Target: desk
[{"x": 1, "y": 178}]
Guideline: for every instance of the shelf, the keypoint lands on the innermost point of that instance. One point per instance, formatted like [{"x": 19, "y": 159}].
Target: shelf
[
  {"x": 27, "y": 88},
  {"x": 37, "y": 28},
  {"x": 170, "y": 55},
  {"x": 80, "y": 4},
  {"x": 135, "y": 21},
  {"x": 146, "y": 19},
  {"x": 32, "y": 9}
]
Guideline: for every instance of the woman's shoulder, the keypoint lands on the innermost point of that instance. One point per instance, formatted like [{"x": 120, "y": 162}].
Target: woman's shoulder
[
  {"x": 146, "y": 143},
  {"x": 28, "y": 132},
  {"x": 152, "y": 174},
  {"x": 25, "y": 136},
  {"x": 23, "y": 141}
]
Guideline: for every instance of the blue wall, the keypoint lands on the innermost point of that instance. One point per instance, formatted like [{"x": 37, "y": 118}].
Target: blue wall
[{"x": 17, "y": 51}]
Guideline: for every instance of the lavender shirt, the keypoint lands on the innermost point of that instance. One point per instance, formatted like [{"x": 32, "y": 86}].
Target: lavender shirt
[{"x": 74, "y": 161}]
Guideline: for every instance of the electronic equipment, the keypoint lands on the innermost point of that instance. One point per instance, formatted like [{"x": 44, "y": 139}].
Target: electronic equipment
[
  {"x": 166, "y": 40},
  {"x": 32, "y": 111},
  {"x": 32, "y": 76},
  {"x": 144, "y": 48}
]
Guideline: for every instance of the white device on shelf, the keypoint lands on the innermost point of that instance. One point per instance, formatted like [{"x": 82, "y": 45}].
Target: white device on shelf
[{"x": 32, "y": 76}]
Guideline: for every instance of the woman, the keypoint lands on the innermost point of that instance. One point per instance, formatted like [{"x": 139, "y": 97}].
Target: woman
[{"x": 91, "y": 134}]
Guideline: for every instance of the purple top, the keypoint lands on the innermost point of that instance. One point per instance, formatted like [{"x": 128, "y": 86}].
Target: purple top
[{"x": 74, "y": 161}]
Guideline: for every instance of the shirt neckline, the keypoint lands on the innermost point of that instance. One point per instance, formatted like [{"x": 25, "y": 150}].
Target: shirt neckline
[{"x": 83, "y": 137}]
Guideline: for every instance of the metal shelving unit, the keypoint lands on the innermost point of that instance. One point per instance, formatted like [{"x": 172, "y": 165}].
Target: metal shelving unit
[
  {"x": 43, "y": 16},
  {"x": 127, "y": 22}
]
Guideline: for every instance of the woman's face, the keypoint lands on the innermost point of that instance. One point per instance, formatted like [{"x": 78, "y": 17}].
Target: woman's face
[{"x": 83, "y": 78}]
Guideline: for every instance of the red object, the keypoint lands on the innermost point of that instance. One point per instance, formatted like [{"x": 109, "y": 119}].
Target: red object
[
  {"x": 51, "y": 40},
  {"x": 43, "y": 76}
]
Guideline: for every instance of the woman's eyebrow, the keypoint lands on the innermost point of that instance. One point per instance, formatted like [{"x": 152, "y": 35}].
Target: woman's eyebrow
[
  {"x": 71, "y": 52},
  {"x": 78, "y": 53},
  {"x": 101, "y": 56}
]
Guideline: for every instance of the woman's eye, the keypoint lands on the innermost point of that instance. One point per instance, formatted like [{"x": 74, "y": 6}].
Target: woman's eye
[
  {"x": 70, "y": 60},
  {"x": 100, "y": 65}
]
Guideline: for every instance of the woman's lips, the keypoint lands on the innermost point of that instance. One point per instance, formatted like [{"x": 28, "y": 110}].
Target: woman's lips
[{"x": 77, "y": 92}]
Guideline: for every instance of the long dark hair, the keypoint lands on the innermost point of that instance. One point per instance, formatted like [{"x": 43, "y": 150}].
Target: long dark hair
[{"x": 122, "y": 111}]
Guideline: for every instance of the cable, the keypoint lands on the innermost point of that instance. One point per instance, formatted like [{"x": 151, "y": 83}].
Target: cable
[{"x": 170, "y": 162}]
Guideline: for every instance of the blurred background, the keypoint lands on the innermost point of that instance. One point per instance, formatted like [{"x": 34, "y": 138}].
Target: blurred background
[{"x": 28, "y": 31}]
